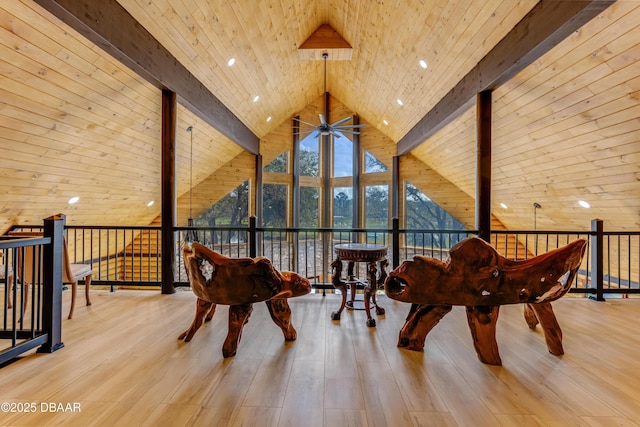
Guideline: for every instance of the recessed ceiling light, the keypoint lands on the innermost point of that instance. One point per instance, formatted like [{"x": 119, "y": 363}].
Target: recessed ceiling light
[
  {"x": 150, "y": 203},
  {"x": 269, "y": 118},
  {"x": 503, "y": 206},
  {"x": 73, "y": 200},
  {"x": 423, "y": 64},
  {"x": 256, "y": 98},
  {"x": 399, "y": 101},
  {"x": 385, "y": 122},
  {"x": 231, "y": 61},
  {"x": 584, "y": 204}
]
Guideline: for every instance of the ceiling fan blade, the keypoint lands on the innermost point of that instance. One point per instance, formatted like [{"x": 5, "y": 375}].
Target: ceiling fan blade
[
  {"x": 323, "y": 122},
  {"x": 339, "y": 122},
  {"x": 306, "y": 123},
  {"x": 350, "y": 126},
  {"x": 343, "y": 134},
  {"x": 347, "y": 131}
]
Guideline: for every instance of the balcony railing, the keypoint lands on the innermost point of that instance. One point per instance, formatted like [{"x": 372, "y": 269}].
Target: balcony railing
[
  {"x": 31, "y": 315},
  {"x": 131, "y": 256}
]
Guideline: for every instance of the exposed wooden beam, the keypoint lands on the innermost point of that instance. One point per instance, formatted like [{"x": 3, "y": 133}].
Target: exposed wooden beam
[
  {"x": 355, "y": 171},
  {"x": 546, "y": 25},
  {"x": 110, "y": 26},
  {"x": 325, "y": 40},
  {"x": 295, "y": 151},
  {"x": 483, "y": 168},
  {"x": 168, "y": 211},
  {"x": 325, "y": 146}
]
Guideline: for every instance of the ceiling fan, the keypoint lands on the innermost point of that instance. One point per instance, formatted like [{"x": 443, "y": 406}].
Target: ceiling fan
[{"x": 335, "y": 128}]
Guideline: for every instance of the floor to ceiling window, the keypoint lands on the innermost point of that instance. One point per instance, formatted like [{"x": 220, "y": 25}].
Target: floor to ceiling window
[{"x": 351, "y": 204}]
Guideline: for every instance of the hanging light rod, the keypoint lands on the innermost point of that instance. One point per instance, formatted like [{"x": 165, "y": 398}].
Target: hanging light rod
[{"x": 191, "y": 234}]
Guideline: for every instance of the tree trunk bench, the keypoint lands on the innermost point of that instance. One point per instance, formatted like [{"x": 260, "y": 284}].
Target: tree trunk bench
[
  {"x": 478, "y": 277},
  {"x": 239, "y": 282}
]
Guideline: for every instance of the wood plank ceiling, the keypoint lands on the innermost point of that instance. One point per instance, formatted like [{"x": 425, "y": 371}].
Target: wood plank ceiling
[{"x": 75, "y": 121}]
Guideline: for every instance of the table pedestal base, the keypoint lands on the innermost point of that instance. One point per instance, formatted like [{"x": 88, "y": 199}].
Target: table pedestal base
[{"x": 350, "y": 285}]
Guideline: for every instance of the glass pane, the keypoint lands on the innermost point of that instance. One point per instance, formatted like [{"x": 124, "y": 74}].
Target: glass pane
[
  {"x": 377, "y": 206},
  {"x": 279, "y": 164},
  {"x": 343, "y": 207},
  {"x": 310, "y": 156},
  {"x": 232, "y": 210},
  {"x": 274, "y": 205},
  {"x": 423, "y": 214},
  {"x": 309, "y": 198},
  {"x": 342, "y": 156},
  {"x": 372, "y": 164}
]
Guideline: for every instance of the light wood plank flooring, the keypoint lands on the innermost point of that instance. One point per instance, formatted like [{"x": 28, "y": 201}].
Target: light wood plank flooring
[{"x": 123, "y": 364}]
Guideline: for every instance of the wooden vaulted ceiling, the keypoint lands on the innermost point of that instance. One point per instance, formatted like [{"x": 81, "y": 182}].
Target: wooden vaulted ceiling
[{"x": 75, "y": 120}]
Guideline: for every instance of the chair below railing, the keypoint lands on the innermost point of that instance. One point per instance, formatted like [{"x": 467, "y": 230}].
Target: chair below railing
[{"x": 131, "y": 256}]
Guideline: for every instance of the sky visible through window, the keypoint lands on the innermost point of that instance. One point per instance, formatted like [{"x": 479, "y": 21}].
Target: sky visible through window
[
  {"x": 342, "y": 156},
  {"x": 310, "y": 155},
  {"x": 343, "y": 152}
]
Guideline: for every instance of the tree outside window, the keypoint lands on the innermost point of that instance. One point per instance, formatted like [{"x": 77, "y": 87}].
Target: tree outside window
[
  {"x": 423, "y": 214},
  {"x": 343, "y": 207},
  {"x": 309, "y": 204},
  {"x": 377, "y": 206},
  {"x": 310, "y": 156},
  {"x": 279, "y": 164},
  {"x": 274, "y": 205},
  {"x": 230, "y": 211}
]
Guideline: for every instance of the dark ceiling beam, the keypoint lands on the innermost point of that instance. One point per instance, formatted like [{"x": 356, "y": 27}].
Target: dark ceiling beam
[
  {"x": 546, "y": 25},
  {"x": 111, "y": 27}
]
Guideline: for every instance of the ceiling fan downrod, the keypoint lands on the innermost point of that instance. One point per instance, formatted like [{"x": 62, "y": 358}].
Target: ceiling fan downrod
[{"x": 325, "y": 55}]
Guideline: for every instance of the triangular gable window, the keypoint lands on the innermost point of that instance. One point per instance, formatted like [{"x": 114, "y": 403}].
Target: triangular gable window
[
  {"x": 278, "y": 165},
  {"x": 372, "y": 164}
]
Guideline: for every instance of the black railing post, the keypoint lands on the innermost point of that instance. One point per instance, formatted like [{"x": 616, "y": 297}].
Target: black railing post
[
  {"x": 395, "y": 242},
  {"x": 597, "y": 262},
  {"x": 253, "y": 237},
  {"x": 52, "y": 284}
]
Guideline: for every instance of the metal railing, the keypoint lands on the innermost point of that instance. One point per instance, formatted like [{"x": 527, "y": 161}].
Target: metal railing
[
  {"x": 611, "y": 266},
  {"x": 131, "y": 256},
  {"x": 32, "y": 293}
]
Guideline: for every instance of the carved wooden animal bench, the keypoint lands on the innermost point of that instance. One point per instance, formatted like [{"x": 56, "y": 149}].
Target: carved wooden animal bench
[
  {"x": 239, "y": 282},
  {"x": 476, "y": 276}
]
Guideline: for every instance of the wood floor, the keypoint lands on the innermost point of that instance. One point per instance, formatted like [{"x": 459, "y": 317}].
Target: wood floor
[{"x": 123, "y": 365}]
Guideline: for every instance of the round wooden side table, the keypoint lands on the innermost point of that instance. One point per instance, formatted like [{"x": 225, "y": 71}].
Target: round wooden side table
[{"x": 372, "y": 255}]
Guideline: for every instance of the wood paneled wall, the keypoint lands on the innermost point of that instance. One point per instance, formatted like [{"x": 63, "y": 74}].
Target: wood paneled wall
[
  {"x": 75, "y": 122},
  {"x": 565, "y": 129}
]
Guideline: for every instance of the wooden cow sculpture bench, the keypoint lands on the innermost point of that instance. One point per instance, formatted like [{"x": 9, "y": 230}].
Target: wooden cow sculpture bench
[
  {"x": 477, "y": 277},
  {"x": 239, "y": 282}
]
